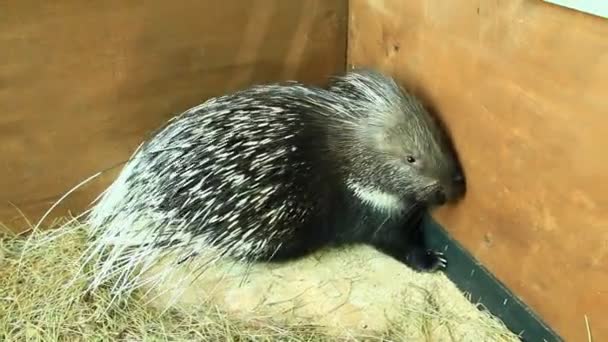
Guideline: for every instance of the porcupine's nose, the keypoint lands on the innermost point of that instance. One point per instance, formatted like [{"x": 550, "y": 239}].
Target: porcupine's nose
[
  {"x": 458, "y": 186},
  {"x": 458, "y": 178}
]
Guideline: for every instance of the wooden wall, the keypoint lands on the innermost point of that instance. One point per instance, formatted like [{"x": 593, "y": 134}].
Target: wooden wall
[
  {"x": 521, "y": 84},
  {"x": 82, "y": 82},
  {"x": 523, "y": 87}
]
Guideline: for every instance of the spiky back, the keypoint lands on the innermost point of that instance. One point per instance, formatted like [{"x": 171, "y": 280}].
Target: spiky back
[{"x": 242, "y": 173}]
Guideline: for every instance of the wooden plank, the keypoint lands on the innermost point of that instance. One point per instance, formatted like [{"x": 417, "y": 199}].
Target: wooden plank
[
  {"x": 82, "y": 82},
  {"x": 522, "y": 87}
]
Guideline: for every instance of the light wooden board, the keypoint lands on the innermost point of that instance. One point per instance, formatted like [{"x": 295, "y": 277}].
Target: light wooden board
[
  {"x": 522, "y": 85},
  {"x": 82, "y": 83}
]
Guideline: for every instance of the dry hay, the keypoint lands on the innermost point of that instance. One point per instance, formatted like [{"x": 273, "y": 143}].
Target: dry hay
[{"x": 39, "y": 303}]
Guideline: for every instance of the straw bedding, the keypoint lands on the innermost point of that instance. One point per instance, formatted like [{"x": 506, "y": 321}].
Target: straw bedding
[{"x": 349, "y": 294}]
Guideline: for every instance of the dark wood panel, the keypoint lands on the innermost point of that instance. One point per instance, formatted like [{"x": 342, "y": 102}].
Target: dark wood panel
[
  {"x": 82, "y": 82},
  {"x": 522, "y": 87}
]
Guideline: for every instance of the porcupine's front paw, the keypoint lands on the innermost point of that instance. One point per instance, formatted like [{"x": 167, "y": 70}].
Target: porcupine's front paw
[
  {"x": 426, "y": 260},
  {"x": 437, "y": 261}
]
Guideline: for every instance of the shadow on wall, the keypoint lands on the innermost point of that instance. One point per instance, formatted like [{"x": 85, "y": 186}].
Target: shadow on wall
[{"x": 84, "y": 83}]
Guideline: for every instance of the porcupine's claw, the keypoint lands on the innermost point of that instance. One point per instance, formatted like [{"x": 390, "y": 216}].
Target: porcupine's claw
[
  {"x": 438, "y": 261},
  {"x": 426, "y": 260}
]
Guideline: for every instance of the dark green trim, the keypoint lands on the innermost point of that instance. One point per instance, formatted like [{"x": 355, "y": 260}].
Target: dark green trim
[{"x": 471, "y": 277}]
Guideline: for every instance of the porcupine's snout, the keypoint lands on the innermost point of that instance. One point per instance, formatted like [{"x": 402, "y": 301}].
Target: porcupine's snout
[{"x": 452, "y": 188}]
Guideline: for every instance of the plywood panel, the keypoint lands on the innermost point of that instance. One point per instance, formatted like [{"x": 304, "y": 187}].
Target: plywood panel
[
  {"x": 522, "y": 85},
  {"x": 82, "y": 82}
]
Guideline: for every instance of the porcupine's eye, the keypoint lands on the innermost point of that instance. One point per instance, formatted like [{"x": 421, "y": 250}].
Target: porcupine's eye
[{"x": 412, "y": 161}]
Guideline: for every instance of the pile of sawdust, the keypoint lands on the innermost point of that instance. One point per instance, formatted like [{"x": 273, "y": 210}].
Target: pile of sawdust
[{"x": 39, "y": 301}]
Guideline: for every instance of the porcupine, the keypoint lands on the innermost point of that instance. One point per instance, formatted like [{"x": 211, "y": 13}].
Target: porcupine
[{"x": 273, "y": 172}]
